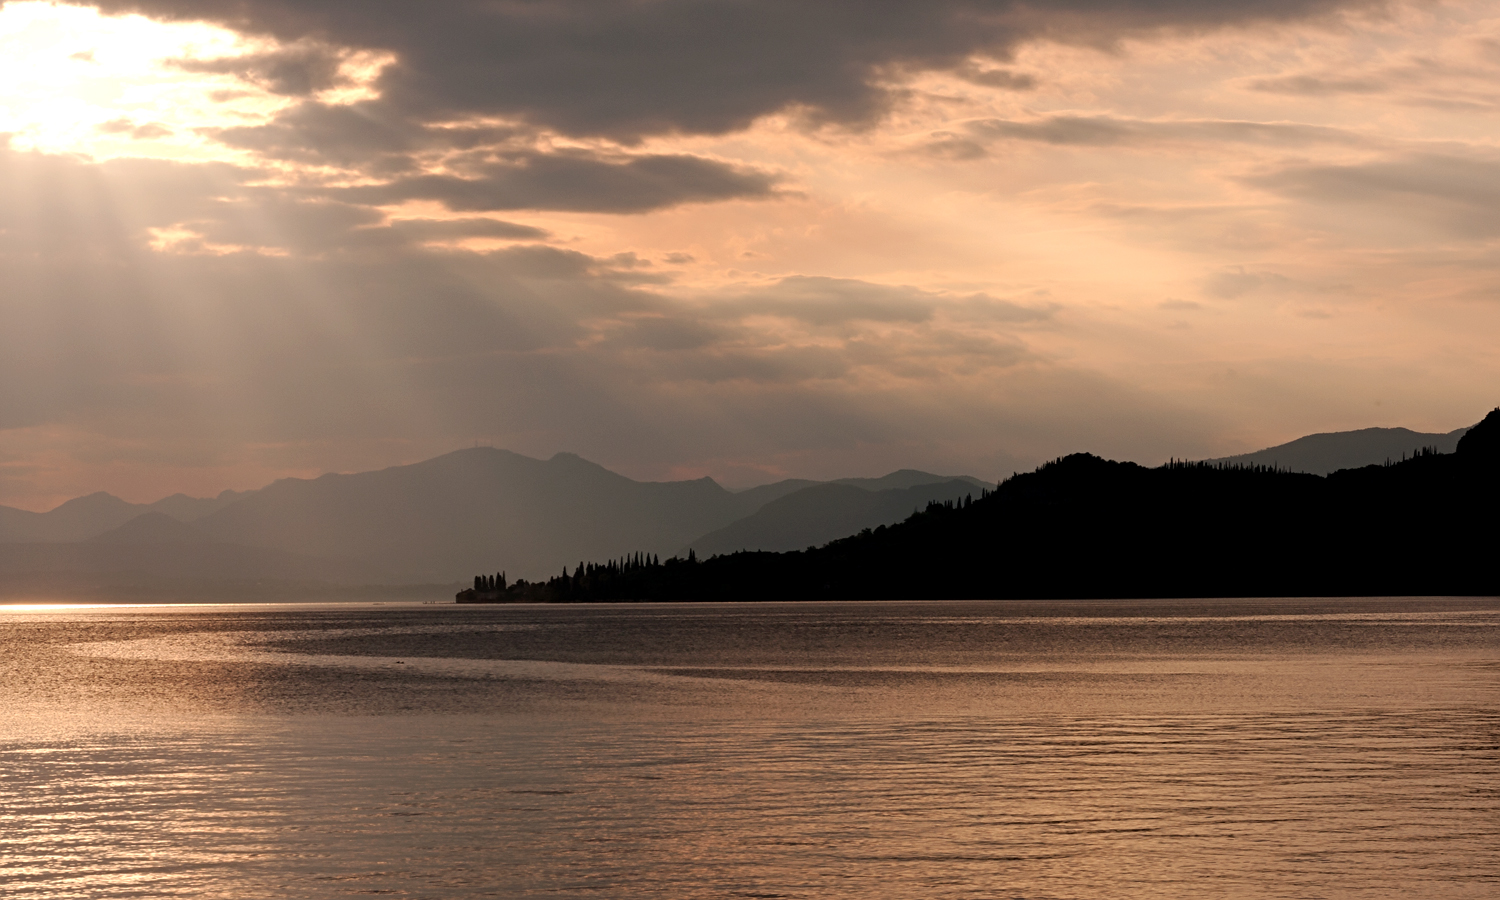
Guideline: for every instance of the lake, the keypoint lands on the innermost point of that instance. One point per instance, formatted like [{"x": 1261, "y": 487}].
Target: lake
[{"x": 1234, "y": 748}]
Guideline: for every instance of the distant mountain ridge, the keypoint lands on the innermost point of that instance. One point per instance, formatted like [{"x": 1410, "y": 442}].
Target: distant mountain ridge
[
  {"x": 428, "y": 520},
  {"x": 83, "y": 518},
  {"x": 1322, "y": 454},
  {"x": 815, "y": 515},
  {"x": 483, "y": 508},
  {"x": 757, "y": 497}
]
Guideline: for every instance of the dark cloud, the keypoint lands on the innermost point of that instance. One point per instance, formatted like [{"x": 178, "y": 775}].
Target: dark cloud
[
  {"x": 458, "y": 229},
  {"x": 1318, "y": 86},
  {"x": 1108, "y": 131},
  {"x": 575, "y": 181},
  {"x": 1459, "y": 194},
  {"x": 297, "y": 70},
  {"x": 624, "y": 69},
  {"x": 1000, "y": 78},
  {"x": 667, "y": 333},
  {"x": 947, "y": 145},
  {"x": 345, "y": 135}
]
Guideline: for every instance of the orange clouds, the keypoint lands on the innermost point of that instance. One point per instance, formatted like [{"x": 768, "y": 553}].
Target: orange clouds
[{"x": 295, "y": 240}]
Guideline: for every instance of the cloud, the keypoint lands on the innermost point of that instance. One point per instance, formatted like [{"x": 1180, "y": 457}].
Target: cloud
[
  {"x": 575, "y": 181},
  {"x": 1318, "y": 86},
  {"x": 817, "y": 300},
  {"x": 1236, "y": 282},
  {"x": 626, "y": 69},
  {"x": 982, "y": 307},
  {"x": 125, "y": 125},
  {"x": 1112, "y": 131},
  {"x": 1461, "y": 195},
  {"x": 1007, "y": 79},
  {"x": 356, "y": 345},
  {"x": 298, "y": 70},
  {"x": 667, "y": 333},
  {"x": 458, "y": 229},
  {"x": 471, "y": 96}
]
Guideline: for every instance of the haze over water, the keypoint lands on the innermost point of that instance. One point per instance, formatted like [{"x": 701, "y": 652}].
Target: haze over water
[{"x": 1239, "y": 748}]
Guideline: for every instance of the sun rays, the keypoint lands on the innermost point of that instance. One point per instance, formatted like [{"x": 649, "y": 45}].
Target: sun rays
[{"x": 75, "y": 81}]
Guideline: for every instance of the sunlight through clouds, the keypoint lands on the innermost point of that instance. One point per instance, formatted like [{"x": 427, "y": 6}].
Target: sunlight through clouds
[
  {"x": 723, "y": 238},
  {"x": 75, "y": 81}
]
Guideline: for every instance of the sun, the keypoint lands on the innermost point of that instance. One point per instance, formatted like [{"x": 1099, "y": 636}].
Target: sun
[{"x": 75, "y": 81}]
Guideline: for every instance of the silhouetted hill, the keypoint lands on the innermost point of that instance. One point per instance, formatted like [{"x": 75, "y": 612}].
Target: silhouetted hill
[
  {"x": 1082, "y": 526},
  {"x": 1322, "y": 454},
  {"x": 1481, "y": 444},
  {"x": 818, "y": 514}
]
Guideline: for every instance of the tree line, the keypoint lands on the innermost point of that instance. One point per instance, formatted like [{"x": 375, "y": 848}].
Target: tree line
[{"x": 1081, "y": 526}]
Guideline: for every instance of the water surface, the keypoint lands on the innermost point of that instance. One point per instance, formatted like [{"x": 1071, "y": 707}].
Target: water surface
[{"x": 1314, "y": 748}]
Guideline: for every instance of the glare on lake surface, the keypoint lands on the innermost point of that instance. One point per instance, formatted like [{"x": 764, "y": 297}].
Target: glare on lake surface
[{"x": 1313, "y": 748}]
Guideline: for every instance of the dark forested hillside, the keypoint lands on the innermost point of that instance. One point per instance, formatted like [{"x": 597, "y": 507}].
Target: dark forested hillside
[{"x": 1082, "y": 526}]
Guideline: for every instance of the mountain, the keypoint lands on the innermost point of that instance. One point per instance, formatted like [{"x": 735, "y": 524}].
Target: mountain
[
  {"x": 152, "y": 528},
  {"x": 186, "y": 509},
  {"x": 84, "y": 518},
  {"x": 1085, "y": 527},
  {"x": 758, "y": 497},
  {"x": 820, "y": 513},
  {"x": 479, "y": 508},
  {"x": 1322, "y": 454},
  {"x": 76, "y": 520},
  {"x": 910, "y": 478}
]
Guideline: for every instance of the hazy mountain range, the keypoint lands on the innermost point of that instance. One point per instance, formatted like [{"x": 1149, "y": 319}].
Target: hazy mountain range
[
  {"x": 481, "y": 509},
  {"x": 1322, "y": 454},
  {"x": 433, "y": 521}
]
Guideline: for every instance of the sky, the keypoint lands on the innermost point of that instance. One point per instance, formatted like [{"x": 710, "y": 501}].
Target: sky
[{"x": 748, "y": 239}]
